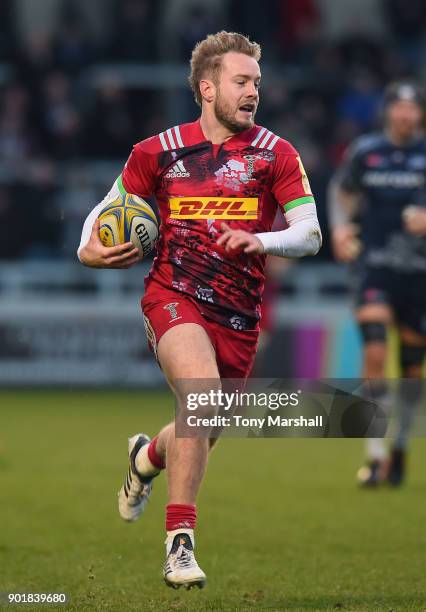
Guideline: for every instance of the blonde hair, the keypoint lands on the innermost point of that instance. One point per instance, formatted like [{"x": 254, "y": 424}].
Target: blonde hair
[{"x": 207, "y": 56}]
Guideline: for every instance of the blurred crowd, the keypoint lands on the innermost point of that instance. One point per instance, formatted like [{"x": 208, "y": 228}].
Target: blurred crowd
[{"x": 320, "y": 91}]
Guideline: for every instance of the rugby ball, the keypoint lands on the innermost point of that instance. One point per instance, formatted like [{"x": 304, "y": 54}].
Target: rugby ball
[{"x": 128, "y": 218}]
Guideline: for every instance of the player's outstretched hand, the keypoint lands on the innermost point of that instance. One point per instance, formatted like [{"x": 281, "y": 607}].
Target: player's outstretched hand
[
  {"x": 239, "y": 240},
  {"x": 346, "y": 245},
  {"x": 95, "y": 255},
  {"x": 414, "y": 218}
]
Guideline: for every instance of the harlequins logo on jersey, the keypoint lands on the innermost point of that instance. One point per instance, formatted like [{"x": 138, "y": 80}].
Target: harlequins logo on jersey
[
  {"x": 234, "y": 173},
  {"x": 172, "y": 308}
]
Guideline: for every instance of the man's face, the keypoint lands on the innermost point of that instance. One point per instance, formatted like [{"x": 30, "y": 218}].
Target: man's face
[
  {"x": 404, "y": 117},
  {"x": 237, "y": 92}
]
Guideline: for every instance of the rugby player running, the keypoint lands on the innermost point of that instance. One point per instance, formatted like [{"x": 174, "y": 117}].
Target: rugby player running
[
  {"x": 202, "y": 297},
  {"x": 377, "y": 211}
]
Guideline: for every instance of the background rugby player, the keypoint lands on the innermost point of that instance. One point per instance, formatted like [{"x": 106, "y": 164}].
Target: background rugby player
[{"x": 378, "y": 216}]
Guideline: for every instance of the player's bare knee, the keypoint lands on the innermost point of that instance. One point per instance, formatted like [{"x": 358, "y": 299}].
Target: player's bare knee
[
  {"x": 374, "y": 313},
  {"x": 375, "y": 355},
  {"x": 373, "y": 336}
]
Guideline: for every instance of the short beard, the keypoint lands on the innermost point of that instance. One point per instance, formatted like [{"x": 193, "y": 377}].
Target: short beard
[{"x": 227, "y": 119}]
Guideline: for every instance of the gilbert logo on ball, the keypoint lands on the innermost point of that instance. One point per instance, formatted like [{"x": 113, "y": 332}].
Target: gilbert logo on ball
[{"x": 128, "y": 218}]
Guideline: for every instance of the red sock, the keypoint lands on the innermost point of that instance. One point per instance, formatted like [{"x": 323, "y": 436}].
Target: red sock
[
  {"x": 180, "y": 516},
  {"x": 153, "y": 456}
]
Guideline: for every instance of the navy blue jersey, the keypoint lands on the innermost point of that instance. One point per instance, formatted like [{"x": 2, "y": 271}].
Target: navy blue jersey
[{"x": 388, "y": 179}]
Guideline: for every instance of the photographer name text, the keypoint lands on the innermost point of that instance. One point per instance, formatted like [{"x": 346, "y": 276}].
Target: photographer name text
[{"x": 254, "y": 422}]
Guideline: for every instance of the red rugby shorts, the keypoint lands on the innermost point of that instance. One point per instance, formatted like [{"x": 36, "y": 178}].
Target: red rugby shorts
[{"x": 164, "y": 308}]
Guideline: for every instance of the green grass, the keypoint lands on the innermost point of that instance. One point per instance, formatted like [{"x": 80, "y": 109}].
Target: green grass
[{"x": 282, "y": 525}]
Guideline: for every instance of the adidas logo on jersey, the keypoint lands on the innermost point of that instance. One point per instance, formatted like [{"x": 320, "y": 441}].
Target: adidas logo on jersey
[{"x": 178, "y": 171}]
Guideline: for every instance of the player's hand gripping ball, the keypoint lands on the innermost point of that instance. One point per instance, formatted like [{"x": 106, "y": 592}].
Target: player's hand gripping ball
[{"x": 129, "y": 219}]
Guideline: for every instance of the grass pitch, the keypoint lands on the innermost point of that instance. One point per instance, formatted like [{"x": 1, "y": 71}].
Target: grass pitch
[{"x": 281, "y": 526}]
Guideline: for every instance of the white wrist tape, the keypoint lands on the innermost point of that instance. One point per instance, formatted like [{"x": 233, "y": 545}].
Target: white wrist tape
[
  {"x": 93, "y": 215},
  {"x": 303, "y": 237},
  {"x": 88, "y": 225}
]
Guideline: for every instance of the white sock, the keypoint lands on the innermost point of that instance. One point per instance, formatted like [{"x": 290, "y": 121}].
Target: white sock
[
  {"x": 171, "y": 536},
  {"x": 376, "y": 449},
  {"x": 144, "y": 465}
]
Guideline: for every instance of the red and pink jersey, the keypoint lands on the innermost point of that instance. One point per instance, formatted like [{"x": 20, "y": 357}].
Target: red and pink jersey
[{"x": 198, "y": 186}]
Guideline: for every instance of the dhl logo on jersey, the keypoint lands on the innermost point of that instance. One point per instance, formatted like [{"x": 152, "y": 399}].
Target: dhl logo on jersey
[{"x": 213, "y": 208}]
